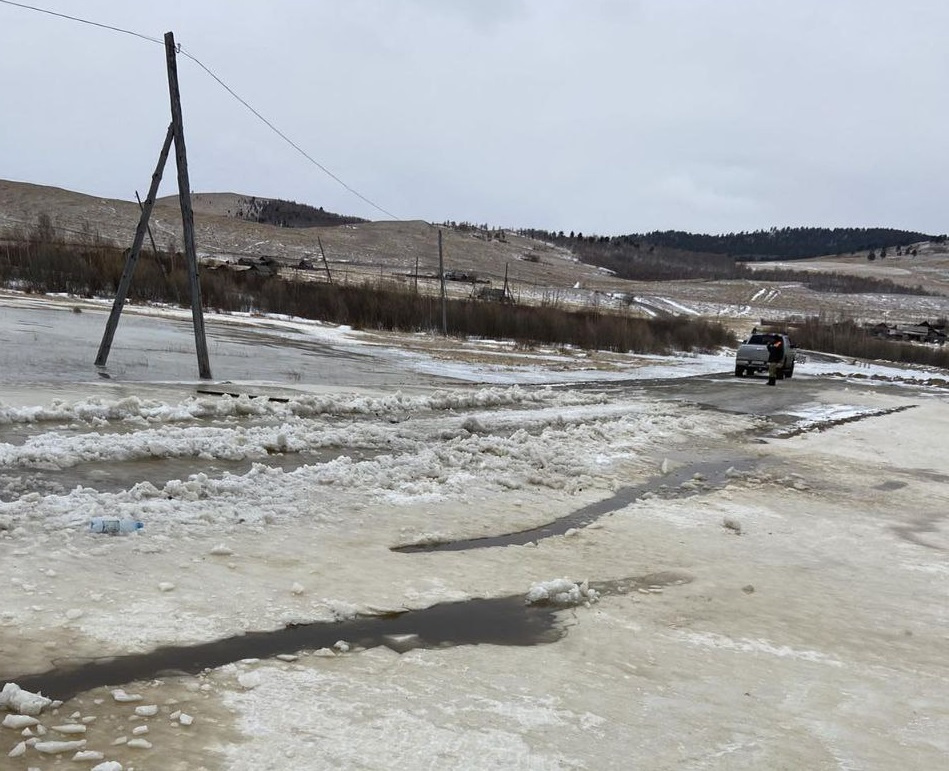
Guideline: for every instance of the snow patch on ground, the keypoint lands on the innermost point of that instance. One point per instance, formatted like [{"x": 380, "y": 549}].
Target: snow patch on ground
[{"x": 746, "y": 645}]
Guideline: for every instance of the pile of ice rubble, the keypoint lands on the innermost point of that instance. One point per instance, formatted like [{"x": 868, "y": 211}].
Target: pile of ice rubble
[
  {"x": 99, "y": 412},
  {"x": 25, "y": 708},
  {"x": 562, "y": 592}
]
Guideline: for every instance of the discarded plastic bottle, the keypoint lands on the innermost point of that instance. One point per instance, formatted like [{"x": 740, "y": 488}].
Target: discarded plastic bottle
[{"x": 114, "y": 525}]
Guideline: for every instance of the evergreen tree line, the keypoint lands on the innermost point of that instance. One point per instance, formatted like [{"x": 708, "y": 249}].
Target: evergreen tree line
[
  {"x": 787, "y": 243},
  {"x": 776, "y": 243},
  {"x": 290, "y": 214}
]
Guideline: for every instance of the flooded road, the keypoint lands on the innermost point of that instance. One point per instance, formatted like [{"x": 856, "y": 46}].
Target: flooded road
[{"x": 55, "y": 344}]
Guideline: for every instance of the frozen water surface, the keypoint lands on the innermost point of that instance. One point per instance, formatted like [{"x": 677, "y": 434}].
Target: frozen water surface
[
  {"x": 804, "y": 593},
  {"x": 52, "y": 345}
]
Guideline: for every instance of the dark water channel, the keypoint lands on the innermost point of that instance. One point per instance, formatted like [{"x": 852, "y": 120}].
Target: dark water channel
[
  {"x": 498, "y": 621},
  {"x": 703, "y": 477}
]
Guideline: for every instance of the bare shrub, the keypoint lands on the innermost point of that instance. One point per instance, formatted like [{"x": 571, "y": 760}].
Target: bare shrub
[{"x": 848, "y": 338}]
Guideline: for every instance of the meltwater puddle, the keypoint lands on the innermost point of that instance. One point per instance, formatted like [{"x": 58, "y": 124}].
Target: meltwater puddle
[
  {"x": 682, "y": 482},
  {"x": 497, "y": 621},
  {"x": 832, "y": 416}
]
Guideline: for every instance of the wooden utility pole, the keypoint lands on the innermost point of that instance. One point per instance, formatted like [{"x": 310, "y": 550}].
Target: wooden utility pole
[
  {"x": 187, "y": 214},
  {"x": 175, "y": 134},
  {"x": 441, "y": 276},
  {"x": 416, "y": 272},
  {"x": 130, "y": 262}
]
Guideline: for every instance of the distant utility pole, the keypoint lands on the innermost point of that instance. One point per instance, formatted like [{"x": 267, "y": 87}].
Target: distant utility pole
[
  {"x": 441, "y": 276},
  {"x": 329, "y": 278},
  {"x": 158, "y": 259},
  {"x": 175, "y": 133}
]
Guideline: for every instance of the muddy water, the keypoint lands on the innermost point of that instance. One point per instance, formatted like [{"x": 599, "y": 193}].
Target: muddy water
[{"x": 684, "y": 481}]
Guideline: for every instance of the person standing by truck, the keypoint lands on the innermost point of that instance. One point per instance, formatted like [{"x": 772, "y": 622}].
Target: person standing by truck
[{"x": 775, "y": 358}]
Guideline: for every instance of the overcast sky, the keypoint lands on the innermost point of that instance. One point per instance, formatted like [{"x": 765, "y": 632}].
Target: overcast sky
[{"x": 601, "y": 116}]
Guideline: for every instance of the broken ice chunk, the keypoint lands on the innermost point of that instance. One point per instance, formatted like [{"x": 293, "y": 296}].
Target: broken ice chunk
[
  {"x": 57, "y": 748},
  {"x": 17, "y": 722},
  {"x": 71, "y": 728},
  {"x": 88, "y": 755},
  {"x": 249, "y": 680},
  {"x": 16, "y": 699},
  {"x": 121, "y": 696}
]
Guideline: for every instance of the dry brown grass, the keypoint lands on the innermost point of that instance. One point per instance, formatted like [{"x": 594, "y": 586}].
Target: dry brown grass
[{"x": 41, "y": 261}]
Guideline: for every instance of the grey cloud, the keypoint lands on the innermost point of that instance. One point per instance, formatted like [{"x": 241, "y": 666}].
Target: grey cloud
[{"x": 603, "y": 116}]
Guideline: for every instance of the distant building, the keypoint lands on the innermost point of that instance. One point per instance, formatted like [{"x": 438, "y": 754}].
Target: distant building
[{"x": 923, "y": 332}]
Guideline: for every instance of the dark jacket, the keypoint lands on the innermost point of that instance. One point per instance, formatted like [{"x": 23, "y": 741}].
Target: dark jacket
[{"x": 776, "y": 350}]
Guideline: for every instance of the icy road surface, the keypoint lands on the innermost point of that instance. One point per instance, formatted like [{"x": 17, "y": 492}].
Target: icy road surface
[{"x": 787, "y": 612}]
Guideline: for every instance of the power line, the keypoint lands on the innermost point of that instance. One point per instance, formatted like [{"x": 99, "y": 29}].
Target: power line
[
  {"x": 83, "y": 21},
  {"x": 283, "y": 136},
  {"x": 221, "y": 83}
]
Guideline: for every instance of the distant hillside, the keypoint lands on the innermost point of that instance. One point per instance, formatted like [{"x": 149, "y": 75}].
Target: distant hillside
[
  {"x": 355, "y": 252},
  {"x": 660, "y": 257},
  {"x": 638, "y": 259}
]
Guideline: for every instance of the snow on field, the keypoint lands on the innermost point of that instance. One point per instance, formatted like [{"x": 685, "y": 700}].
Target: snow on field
[
  {"x": 797, "y": 593},
  {"x": 876, "y": 373},
  {"x": 679, "y": 306}
]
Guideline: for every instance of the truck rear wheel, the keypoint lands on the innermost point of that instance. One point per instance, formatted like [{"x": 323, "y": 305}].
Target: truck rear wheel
[
  {"x": 739, "y": 371},
  {"x": 789, "y": 372}
]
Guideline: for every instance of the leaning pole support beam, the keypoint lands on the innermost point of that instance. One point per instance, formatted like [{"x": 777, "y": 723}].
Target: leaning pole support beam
[{"x": 130, "y": 262}]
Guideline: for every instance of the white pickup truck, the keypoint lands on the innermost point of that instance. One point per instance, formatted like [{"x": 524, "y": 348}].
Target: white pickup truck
[{"x": 752, "y": 355}]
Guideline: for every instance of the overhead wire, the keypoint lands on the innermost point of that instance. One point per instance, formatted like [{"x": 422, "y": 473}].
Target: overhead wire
[
  {"x": 223, "y": 85},
  {"x": 283, "y": 136},
  {"x": 83, "y": 21}
]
